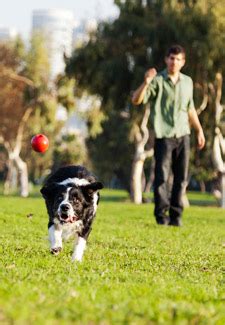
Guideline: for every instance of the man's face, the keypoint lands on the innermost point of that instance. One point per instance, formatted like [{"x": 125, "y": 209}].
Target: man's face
[{"x": 174, "y": 63}]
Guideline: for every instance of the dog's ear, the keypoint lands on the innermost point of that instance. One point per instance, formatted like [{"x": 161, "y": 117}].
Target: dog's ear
[
  {"x": 89, "y": 189},
  {"x": 48, "y": 190}
]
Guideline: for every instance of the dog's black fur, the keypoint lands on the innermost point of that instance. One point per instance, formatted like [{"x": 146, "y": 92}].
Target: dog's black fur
[{"x": 71, "y": 196}]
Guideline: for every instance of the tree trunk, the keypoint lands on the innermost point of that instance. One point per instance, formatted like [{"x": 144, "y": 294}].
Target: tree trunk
[
  {"x": 222, "y": 202},
  {"x": 218, "y": 150},
  {"x": 185, "y": 200},
  {"x": 202, "y": 186},
  {"x": 11, "y": 180},
  {"x": 151, "y": 177},
  {"x": 16, "y": 166},
  {"x": 136, "y": 181},
  {"x": 141, "y": 135},
  {"x": 15, "y": 161},
  {"x": 23, "y": 176}
]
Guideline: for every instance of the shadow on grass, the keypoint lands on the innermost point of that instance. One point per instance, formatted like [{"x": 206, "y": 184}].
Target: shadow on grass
[
  {"x": 203, "y": 203},
  {"x": 111, "y": 195},
  {"x": 108, "y": 195},
  {"x": 17, "y": 195},
  {"x": 202, "y": 199},
  {"x": 113, "y": 199}
]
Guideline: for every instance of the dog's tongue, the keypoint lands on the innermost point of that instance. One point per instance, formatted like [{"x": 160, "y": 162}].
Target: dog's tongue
[{"x": 72, "y": 219}]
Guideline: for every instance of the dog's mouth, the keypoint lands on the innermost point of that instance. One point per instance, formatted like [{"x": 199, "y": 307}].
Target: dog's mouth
[{"x": 64, "y": 218}]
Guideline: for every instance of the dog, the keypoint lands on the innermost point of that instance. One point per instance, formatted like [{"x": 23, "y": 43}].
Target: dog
[{"x": 71, "y": 196}]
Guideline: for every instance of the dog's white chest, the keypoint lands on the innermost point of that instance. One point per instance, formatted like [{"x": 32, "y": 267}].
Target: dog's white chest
[{"x": 71, "y": 229}]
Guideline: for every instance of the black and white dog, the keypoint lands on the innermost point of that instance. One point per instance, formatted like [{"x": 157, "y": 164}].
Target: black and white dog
[{"x": 71, "y": 195}]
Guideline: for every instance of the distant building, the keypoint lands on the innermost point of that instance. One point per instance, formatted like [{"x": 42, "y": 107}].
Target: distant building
[
  {"x": 57, "y": 27},
  {"x": 7, "y": 34}
]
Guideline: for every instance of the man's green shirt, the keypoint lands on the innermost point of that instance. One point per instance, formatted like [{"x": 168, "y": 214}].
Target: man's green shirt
[{"x": 169, "y": 105}]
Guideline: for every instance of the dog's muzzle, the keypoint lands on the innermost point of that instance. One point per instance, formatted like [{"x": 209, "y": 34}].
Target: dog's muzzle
[{"x": 66, "y": 214}]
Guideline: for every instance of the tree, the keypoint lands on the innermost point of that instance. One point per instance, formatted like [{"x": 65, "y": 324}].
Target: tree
[
  {"x": 105, "y": 67},
  {"x": 29, "y": 102},
  {"x": 141, "y": 135},
  {"x": 15, "y": 111},
  {"x": 69, "y": 150},
  {"x": 113, "y": 62}
]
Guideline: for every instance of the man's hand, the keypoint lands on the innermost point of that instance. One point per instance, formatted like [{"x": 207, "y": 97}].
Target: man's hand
[
  {"x": 194, "y": 121},
  {"x": 138, "y": 95},
  {"x": 200, "y": 139},
  {"x": 149, "y": 75}
]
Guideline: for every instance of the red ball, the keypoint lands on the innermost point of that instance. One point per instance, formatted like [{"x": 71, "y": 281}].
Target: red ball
[{"x": 40, "y": 143}]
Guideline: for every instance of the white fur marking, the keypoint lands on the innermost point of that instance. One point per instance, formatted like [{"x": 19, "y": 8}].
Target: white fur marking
[
  {"x": 55, "y": 237},
  {"x": 71, "y": 229},
  {"x": 95, "y": 202},
  {"x": 66, "y": 201},
  {"x": 76, "y": 181},
  {"x": 79, "y": 250},
  {"x": 56, "y": 221}
]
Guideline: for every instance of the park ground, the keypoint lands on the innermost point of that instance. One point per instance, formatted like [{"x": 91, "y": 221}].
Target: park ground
[{"x": 133, "y": 272}]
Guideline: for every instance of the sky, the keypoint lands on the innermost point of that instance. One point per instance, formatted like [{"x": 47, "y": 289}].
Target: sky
[{"x": 18, "y": 13}]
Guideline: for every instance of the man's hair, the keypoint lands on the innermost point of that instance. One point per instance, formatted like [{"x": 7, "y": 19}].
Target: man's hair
[{"x": 176, "y": 49}]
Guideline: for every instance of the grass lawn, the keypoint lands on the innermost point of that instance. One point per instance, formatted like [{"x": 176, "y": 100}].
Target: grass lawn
[{"x": 133, "y": 272}]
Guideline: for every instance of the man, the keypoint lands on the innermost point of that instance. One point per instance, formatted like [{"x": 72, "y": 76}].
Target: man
[{"x": 170, "y": 93}]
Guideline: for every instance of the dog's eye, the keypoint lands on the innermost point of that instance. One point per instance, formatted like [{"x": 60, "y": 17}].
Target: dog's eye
[
  {"x": 75, "y": 199},
  {"x": 60, "y": 198}
]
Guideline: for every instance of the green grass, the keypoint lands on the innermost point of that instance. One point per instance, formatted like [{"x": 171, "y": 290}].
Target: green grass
[{"x": 133, "y": 272}]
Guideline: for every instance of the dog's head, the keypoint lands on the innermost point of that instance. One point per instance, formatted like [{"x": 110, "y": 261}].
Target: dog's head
[{"x": 69, "y": 202}]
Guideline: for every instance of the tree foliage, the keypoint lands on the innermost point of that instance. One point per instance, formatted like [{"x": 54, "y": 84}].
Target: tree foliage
[
  {"x": 69, "y": 150},
  {"x": 12, "y": 101},
  {"x": 113, "y": 63},
  {"x": 29, "y": 101}
]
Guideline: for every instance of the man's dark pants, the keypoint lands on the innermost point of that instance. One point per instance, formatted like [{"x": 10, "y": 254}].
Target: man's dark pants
[{"x": 171, "y": 154}]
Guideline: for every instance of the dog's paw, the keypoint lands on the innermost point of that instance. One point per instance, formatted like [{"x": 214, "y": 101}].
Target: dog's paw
[
  {"x": 56, "y": 250},
  {"x": 76, "y": 258}
]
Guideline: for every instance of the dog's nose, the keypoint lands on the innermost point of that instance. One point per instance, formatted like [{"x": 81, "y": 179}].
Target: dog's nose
[{"x": 65, "y": 207}]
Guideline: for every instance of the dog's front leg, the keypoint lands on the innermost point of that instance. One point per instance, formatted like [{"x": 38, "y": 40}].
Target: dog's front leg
[
  {"x": 55, "y": 238},
  {"x": 79, "y": 249}
]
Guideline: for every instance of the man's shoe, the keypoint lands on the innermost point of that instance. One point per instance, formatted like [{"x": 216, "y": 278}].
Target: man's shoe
[
  {"x": 162, "y": 221},
  {"x": 175, "y": 223}
]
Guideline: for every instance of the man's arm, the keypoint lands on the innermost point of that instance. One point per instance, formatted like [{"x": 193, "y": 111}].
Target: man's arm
[
  {"x": 194, "y": 121},
  {"x": 139, "y": 94}
]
